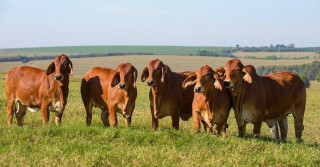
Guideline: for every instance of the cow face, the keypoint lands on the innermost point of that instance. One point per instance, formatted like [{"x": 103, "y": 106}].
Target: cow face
[
  {"x": 155, "y": 72},
  {"x": 125, "y": 77},
  {"x": 235, "y": 72},
  {"x": 203, "y": 80},
  {"x": 61, "y": 67},
  {"x": 221, "y": 72}
]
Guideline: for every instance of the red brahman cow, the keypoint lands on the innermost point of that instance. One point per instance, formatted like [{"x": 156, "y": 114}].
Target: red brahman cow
[
  {"x": 268, "y": 98},
  {"x": 211, "y": 103},
  {"x": 167, "y": 97},
  {"x": 98, "y": 89},
  {"x": 34, "y": 89}
]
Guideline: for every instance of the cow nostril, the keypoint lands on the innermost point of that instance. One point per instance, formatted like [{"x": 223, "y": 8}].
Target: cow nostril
[
  {"x": 150, "y": 82},
  {"x": 122, "y": 86},
  {"x": 58, "y": 77},
  {"x": 197, "y": 89},
  {"x": 226, "y": 83}
]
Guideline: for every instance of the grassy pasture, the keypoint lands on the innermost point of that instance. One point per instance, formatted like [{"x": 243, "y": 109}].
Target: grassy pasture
[
  {"x": 278, "y": 54},
  {"x": 176, "y": 63},
  {"x": 74, "y": 144},
  {"x": 45, "y": 51}
]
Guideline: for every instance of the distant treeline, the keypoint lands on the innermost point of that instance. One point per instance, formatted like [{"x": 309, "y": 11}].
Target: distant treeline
[
  {"x": 274, "y": 57},
  {"x": 307, "y": 72},
  {"x": 278, "y": 48},
  {"x": 222, "y": 53},
  {"x": 25, "y": 59}
]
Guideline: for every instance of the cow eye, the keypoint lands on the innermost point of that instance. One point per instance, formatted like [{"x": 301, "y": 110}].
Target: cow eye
[
  {"x": 238, "y": 69},
  {"x": 208, "y": 74},
  {"x": 66, "y": 63}
]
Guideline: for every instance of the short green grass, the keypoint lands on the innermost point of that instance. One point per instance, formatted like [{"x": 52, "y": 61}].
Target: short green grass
[{"x": 75, "y": 144}]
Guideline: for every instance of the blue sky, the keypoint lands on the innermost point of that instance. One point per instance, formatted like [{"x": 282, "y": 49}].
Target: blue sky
[{"x": 35, "y": 23}]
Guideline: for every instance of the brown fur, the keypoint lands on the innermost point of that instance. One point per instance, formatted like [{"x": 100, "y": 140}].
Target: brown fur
[
  {"x": 167, "y": 97},
  {"x": 268, "y": 98},
  {"x": 99, "y": 89},
  {"x": 211, "y": 103},
  {"x": 32, "y": 87}
]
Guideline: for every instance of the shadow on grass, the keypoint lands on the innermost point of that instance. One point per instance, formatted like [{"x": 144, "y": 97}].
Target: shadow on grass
[{"x": 279, "y": 141}]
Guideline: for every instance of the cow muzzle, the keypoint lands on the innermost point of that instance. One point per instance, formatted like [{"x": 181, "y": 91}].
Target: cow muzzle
[
  {"x": 58, "y": 77},
  {"x": 198, "y": 89},
  {"x": 227, "y": 84},
  {"x": 150, "y": 83},
  {"x": 122, "y": 86}
]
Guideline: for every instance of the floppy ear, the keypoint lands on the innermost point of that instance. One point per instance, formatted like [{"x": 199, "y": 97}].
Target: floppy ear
[
  {"x": 144, "y": 74},
  {"x": 247, "y": 77},
  {"x": 70, "y": 68},
  {"x": 51, "y": 68},
  {"x": 164, "y": 71},
  {"x": 135, "y": 75},
  {"x": 217, "y": 83},
  {"x": 190, "y": 80},
  {"x": 116, "y": 79}
]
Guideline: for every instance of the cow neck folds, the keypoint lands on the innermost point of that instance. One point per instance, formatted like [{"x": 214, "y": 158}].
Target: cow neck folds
[
  {"x": 158, "y": 91},
  {"x": 61, "y": 89},
  {"x": 209, "y": 98},
  {"x": 238, "y": 96}
]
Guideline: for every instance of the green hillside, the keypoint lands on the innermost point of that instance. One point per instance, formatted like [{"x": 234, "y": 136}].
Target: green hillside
[{"x": 159, "y": 50}]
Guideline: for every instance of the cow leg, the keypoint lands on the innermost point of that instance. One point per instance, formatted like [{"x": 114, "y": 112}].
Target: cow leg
[
  {"x": 175, "y": 121},
  {"x": 88, "y": 108},
  {"x": 210, "y": 129},
  {"x": 20, "y": 114},
  {"x": 196, "y": 122},
  {"x": 217, "y": 131},
  {"x": 10, "y": 108},
  {"x": 283, "y": 123},
  {"x": 257, "y": 129},
  {"x": 105, "y": 117},
  {"x": 113, "y": 115},
  {"x": 298, "y": 125},
  {"x": 155, "y": 121},
  {"x": 224, "y": 130},
  {"x": 58, "y": 117},
  {"x": 205, "y": 126},
  {"x": 128, "y": 117},
  {"x": 44, "y": 111},
  {"x": 274, "y": 131},
  {"x": 242, "y": 130}
]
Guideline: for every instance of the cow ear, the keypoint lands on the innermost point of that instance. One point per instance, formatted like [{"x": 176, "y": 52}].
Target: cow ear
[
  {"x": 116, "y": 79},
  {"x": 247, "y": 77},
  {"x": 190, "y": 80},
  {"x": 135, "y": 75},
  {"x": 144, "y": 74},
  {"x": 217, "y": 83},
  {"x": 51, "y": 68},
  {"x": 164, "y": 71},
  {"x": 70, "y": 68}
]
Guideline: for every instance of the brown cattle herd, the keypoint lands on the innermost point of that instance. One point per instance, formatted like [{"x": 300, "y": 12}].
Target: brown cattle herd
[{"x": 207, "y": 95}]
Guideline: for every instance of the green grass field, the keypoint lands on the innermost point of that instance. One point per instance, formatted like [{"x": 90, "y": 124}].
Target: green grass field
[
  {"x": 159, "y": 50},
  {"x": 75, "y": 144}
]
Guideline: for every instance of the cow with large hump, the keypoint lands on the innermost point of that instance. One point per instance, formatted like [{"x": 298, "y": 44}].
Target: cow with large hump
[
  {"x": 211, "y": 103},
  {"x": 29, "y": 88},
  {"x": 110, "y": 90},
  {"x": 167, "y": 97},
  {"x": 269, "y": 98}
]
